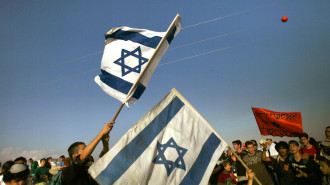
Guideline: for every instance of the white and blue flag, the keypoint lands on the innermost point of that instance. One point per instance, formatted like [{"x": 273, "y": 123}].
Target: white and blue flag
[
  {"x": 130, "y": 56},
  {"x": 171, "y": 144}
]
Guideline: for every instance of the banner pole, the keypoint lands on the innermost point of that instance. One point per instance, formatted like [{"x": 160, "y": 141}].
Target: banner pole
[{"x": 240, "y": 160}]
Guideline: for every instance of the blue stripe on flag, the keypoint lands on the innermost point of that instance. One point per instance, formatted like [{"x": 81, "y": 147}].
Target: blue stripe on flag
[
  {"x": 135, "y": 37},
  {"x": 139, "y": 91},
  {"x": 132, "y": 151},
  {"x": 196, "y": 172},
  {"x": 171, "y": 36},
  {"x": 120, "y": 84},
  {"x": 115, "y": 82}
]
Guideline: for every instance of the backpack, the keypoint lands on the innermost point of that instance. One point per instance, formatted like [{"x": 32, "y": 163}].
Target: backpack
[{"x": 57, "y": 179}]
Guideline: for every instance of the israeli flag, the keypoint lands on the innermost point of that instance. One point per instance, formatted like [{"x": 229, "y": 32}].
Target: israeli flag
[
  {"x": 171, "y": 144},
  {"x": 130, "y": 57}
]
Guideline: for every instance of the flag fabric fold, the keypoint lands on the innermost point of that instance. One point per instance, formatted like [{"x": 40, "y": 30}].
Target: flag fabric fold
[
  {"x": 171, "y": 144},
  {"x": 278, "y": 123},
  {"x": 130, "y": 56}
]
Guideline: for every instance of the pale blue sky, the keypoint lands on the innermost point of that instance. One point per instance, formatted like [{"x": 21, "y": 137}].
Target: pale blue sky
[{"x": 51, "y": 51}]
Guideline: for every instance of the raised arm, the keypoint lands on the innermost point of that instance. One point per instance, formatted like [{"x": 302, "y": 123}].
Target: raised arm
[{"x": 91, "y": 146}]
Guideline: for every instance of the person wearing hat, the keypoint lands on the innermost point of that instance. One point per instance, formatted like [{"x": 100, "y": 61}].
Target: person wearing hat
[{"x": 16, "y": 174}]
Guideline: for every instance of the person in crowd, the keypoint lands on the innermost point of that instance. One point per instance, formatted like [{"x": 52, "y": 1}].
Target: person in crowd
[
  {"x": 271, "y": 151},
  {"x": 261, "y": 144},
  {"x": 67, "y": 162},
  {"x": 325, "y": 149},
  {"x": 306, "y": 171},
  {"x": 42, "y": 173},
  {"x": 21, "y": 160},
  {"x": 218, "y": 169},
  {"x": 283, "y": 175},
  {"x": 61, "y": 162},
  {"x": 48, "y": 162},
  {"x": 254, "y": 161},
  {"x": 325, "y": 144},
  {"x": 34, "y": 166},
  {"x": 226, "y": 177},
  {"x": 16, "y": 173},
  {"x": 325, "y": 168},
  {"x": 5, "y": 167},
  {"x": 76, "y": 173},
  {"x": 327, "y": 133},
  {"x": 240, "y": 169},
  {"x": 255, "y": 144},
  {"x": 308, "y": 148}
]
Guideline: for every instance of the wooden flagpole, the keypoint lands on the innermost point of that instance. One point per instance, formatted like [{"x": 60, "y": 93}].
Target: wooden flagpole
[
  {"x": 122, "y": 105},
  {"x": 240, "y": 160}
]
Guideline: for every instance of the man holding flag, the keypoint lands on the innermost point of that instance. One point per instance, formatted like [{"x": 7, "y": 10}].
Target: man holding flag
[{"x": 76, "y": 173}]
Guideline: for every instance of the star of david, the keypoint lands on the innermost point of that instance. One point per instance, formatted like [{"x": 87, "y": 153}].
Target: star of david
[
  {"x": 125, "y": 69},
  {"x": 170, "y": 165}
]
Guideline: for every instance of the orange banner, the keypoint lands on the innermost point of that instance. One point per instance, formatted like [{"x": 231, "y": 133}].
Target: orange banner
[{"x": 278, "y": 123}]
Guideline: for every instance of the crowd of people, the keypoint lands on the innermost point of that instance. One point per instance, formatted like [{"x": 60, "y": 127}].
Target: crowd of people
[
  {"x": 72, "y": 170},
  {"x": 306, "y": 162}
]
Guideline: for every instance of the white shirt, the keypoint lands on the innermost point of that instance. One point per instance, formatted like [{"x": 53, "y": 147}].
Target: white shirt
[
  {"x": 272, "y": 150},
  {"x": 1, "y": 181}
]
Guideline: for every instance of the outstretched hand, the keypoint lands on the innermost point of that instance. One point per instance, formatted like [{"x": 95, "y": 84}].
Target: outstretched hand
[{"x": 107, "y": 127}]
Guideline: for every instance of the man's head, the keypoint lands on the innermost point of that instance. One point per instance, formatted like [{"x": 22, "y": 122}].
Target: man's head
[
  {"x": 237, "y": 144},
  {"x": 325, "y": 147},
  {"x": 30, "y": 160},
  {"x": 304, "y": 139},
  {"x": 49, "y": 159},
  {"x": 62, "y": 158},
  {"x": 43, "y": 162},
  {"x": 324, "y": 165},
  {"x": 76, "y": 149},
  {"x": 327, "y": 132},
  {"x": 226, "y": 165},
  {"x": 20, "y": 160},
  {"x": 269, "y": 141},
  {"x": 250, "y": 147},
  {"x": 67, "y": 161},
  {"x": 17, "y": 174},
  {"x": 294, "y": 147},
  {"x": 282, "y": 148},
  {"x": 255, "y": 144}
]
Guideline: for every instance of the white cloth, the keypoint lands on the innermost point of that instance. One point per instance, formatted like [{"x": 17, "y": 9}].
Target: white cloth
[
  {"x": 171, "y": 144},
  {"x": 129, "y": 59},
  {"x": 1, "y": 181},
  {"x": 272, "y": 150}
]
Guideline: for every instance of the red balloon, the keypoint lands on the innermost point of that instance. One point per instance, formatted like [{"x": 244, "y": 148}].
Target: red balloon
[{"x": 284, "y": 19}]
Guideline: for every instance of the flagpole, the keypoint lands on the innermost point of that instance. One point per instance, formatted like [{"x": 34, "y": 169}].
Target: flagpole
[
  {"x": 122, "y": 105},
  {"x": 245, "y": 166}
]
